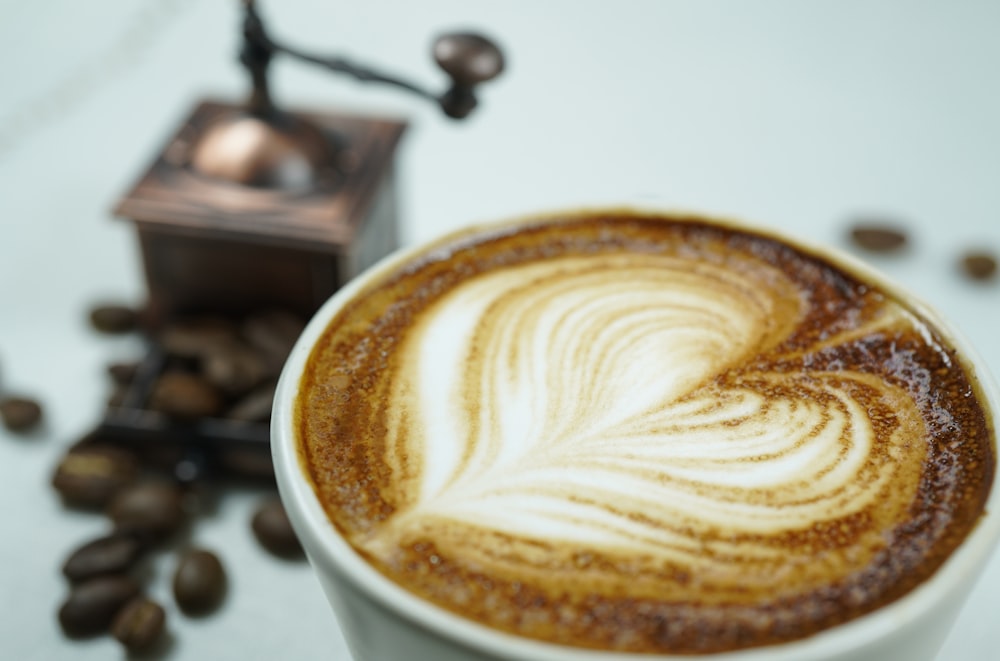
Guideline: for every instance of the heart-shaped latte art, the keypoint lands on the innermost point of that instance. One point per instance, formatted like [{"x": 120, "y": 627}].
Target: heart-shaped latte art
[{"x": 650, "y": 407}]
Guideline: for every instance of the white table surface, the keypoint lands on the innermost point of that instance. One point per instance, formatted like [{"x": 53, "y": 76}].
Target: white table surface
[{"x": 798, "y": 115}]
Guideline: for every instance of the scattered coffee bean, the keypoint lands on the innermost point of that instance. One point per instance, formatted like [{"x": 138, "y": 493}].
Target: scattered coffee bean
[
  {"x": 191, "y": 338},
  {"x": 114, "y": 319},
  {"x": 150, "y": 510},
  {"x": 91, "y": 605},
  {"x": 118, "y": 397},
  {"x": 112, "y": 554},
  {"x": 979, "y": 265},
  {"x": 246, "y": 461},
  {"x": 878, "y": 237},
  {"x": 254, "y": 406},
  {"x": 274, "y": 531},
  {"x": 95, "y": 439},
  {"x": 199, "y": 582},
  {"x": 185, "y": 395},
  {"x": 233, "y": 368},
  {"x": 123, "y": 373},
  {"x": 20, "y": 413},
  {"x": 90, "y": 475},
  {"x": 139, "y": 624},
  {"x": 273, "y": 333}
]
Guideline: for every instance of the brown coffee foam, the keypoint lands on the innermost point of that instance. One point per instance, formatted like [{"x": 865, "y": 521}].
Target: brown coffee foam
[{"x": 759, "y": 588}]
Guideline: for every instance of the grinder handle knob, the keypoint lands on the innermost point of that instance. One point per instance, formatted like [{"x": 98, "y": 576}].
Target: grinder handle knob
[{"x": 469, "y": 59}]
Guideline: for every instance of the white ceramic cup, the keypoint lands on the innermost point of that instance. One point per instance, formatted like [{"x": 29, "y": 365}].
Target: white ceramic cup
[{"x": 383, "y": 622}]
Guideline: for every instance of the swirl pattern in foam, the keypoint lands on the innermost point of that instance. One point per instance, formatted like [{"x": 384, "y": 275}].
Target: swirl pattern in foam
[{"x": 664, "y": 420}]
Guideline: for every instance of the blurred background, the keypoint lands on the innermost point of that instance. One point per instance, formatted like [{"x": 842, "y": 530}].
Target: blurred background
[{"x": 798, "y": 116}]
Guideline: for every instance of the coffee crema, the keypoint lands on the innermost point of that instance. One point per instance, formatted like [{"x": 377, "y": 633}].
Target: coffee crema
[{"x": 643, "y": 433}]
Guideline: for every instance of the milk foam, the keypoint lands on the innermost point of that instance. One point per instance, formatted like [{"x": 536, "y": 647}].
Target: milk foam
[{"x": 613, "y": 402}]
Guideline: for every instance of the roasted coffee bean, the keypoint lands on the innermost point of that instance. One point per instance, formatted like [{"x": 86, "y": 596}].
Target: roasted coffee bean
[
  {"x": 20, "y": 413},
  {"x": 273, "y": 333},
  {"x": 234, "y": 368},
  {"x": 255, "y": 406},
  {"x": 191, "y": 338},
  {"x": 111, "y": 554},
  {"x": 979, "y": 265},
  {"x": 185, "y": 395},
  {"x": 274, "y": 531},
  {"x": 114, "y": 553},
  {"x": 878, "y": 237},
  {"x": 149, "y": 510},
  {"x": 123, "y": 373},
  {"x": 247, "y": 461},
  {"x": 92, "y": 605},
  {"x": 90, "y": 474},
  {"x": 139, "y": 624},
  {"x": 95, "y": 439},
  {"x": 118, "y": 397},
  {"x": 199, "y": 582},
  {"x": 114, "y": 319}
]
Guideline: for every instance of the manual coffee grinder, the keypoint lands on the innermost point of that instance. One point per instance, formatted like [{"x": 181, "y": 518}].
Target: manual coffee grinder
[{"x": 250, "y": 206}]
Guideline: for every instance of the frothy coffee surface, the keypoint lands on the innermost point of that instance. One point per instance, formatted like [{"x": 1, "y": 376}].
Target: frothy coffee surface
[{"x": 642, "y": 433}]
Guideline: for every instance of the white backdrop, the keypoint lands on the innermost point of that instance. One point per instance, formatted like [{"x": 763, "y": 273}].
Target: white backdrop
[{"x": 798, "y": 115}]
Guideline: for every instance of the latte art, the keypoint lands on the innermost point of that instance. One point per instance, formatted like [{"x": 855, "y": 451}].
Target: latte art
[
  {"x": 667, "y": 421},
  {"x": 608, "y": 403},
  {"x": 613, "y": 409}
]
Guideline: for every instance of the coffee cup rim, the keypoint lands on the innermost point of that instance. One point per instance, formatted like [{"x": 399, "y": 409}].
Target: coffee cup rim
[{"x": 327, "y": 547}]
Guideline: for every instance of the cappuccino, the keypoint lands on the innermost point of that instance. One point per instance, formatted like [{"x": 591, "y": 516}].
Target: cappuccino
[{"x": 644, "y": 433}]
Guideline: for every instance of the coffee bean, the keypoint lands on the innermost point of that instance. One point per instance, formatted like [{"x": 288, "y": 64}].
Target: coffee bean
[
  {"x": 139, "y": 624},
  {"x": 979, "y": 265},
  {"x": 233, "y": 368},
  {"x": 199, "y": 582},
  {"x": 273, "y": 333},
  {"x": 114, "y": 319},
  {"x": 191, "y": 338},
  {"x": 274, "y": 531},
  {"x": 95, "y": 439},
  {"x": 123, "y": 373},
  {"x": 247, "y": 461},
  {"x": 878, "y": 237},
  {"x": 118, "y": 397},
  {"x": 150, "y": 510},
  {"x": 91, "y": 605},
  {"x": 185, "y": 395},
  {"x": 255, "y": 406},
  {"x": 90, "y": 475},
  {"x": 112, "y": 554},
  {"x": 20, "y": 413}
]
